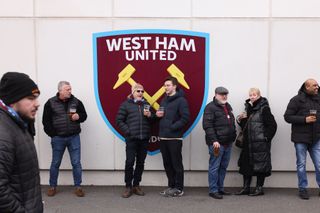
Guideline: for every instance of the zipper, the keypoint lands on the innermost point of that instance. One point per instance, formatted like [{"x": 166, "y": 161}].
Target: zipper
[{"x": 140, "y": 116}]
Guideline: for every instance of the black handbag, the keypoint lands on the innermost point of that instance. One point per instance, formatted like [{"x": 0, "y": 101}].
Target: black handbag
[
  {"x": 240, "y": 137},
  {"x": 239, "y": 140}
]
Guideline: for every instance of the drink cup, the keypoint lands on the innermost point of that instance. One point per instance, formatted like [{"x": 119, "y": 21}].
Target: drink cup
[
  {"x": 72, "y": 111},
  {"x": 313, "y": 112},
  {"x": 146, "y": 107},
  {"x": 244, "y": 114},
  {"x": 161, "y": 110},
  {"x": 216, "y": 151}
]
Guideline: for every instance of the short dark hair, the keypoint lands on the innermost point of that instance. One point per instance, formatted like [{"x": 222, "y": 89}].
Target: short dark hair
[{"x": 172, "y": 79}]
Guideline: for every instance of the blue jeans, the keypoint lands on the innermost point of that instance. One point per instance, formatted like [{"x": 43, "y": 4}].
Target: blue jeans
[
  {"x": 301, "y": 154},
  {"x": 218, "y": 168},
  {"x": 59, "y": 144}
]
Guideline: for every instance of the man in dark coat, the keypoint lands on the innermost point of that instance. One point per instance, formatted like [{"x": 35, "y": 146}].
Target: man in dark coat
[
  {"x": 219, "y": 126},
  {"x": 20, "y": 190},
  {"x": 134, "y": 120},
  {"x": 61, "y": 120},
  {"x": 173, "y": 118},
  {"x": 303, "y": 113}
]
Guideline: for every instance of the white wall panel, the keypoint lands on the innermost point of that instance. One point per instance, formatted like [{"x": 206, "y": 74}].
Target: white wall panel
[
  {"x": 78, "y": 8},
  {"x": 65, "y": 53},
  {"x": 152, "y": 8},
  {"x": 13, "y": 8},
  {"x": 295, "y": 8},
  {"x": 294, "y": 58},
  {"x": 17, "y": 50},
  {"x": 230, "y": 8},
  {"x": 125, "y": 24}
]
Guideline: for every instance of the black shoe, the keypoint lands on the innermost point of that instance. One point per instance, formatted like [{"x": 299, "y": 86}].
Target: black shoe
[
  {"x": 303, "y": 194},
  {"x": 257, "y": 192},
  {"x": 243, "y": 191},
  {"x": 216, "y": 195},
  {"x": 225, "y": 192}
]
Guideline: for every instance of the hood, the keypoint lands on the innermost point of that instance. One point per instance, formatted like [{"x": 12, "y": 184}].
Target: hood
[
  {"x": 302, "y": 90},
  {"x": 262, "y": 101},
  {"x": 179, "y": 93}
]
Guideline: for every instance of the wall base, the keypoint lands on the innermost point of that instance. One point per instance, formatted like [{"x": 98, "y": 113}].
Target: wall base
[{"x": 278, "y": 179}]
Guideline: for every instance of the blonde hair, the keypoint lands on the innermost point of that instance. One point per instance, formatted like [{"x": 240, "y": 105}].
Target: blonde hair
[
  {"x": 135, "y": 87},
  {"x": 255, "y": 90}
]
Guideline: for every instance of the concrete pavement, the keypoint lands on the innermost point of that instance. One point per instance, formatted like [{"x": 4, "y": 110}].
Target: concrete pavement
[{"x": 107, "y": 199}]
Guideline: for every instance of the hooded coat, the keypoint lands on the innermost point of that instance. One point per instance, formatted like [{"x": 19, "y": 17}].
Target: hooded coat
[
  {"x": 20, "y": 190},
  {"x": 297, "y": 110},
  {"x": 176, "y": 115},
  {"x": 255, "y": 157}
]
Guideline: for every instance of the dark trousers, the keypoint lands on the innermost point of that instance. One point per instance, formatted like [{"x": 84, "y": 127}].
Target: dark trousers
[
  {"x": 247, "y": 180},
  {"x": 172, "y": 162},
  {"x": 260, "y": 180},
  {"x": 136, "y": 152}
]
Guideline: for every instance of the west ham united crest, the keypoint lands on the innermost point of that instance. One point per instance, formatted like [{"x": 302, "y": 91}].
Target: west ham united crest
[{"x": 123, "y": 58}]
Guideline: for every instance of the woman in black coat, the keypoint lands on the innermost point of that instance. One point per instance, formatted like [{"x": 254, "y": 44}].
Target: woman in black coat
[{"x": 259, "y": 127}]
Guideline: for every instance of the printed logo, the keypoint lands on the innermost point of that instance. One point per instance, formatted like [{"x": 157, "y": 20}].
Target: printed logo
[{"x": 123, "y": 58}]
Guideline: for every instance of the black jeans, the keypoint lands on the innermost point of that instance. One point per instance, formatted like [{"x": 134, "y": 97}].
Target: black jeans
[
  {"x": 136, "y": 151},
  {"x": 172, "y": 162}
]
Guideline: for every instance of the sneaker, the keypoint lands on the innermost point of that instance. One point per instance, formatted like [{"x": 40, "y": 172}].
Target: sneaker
[
  {"x": 303, "y": 194},
  {"x": 127, "y": 193},
  {"x": 52, "y": 191},
  {"x": 215, "y": 195},
  {"x": 176, "y": 193},
  {"x": 165, "y": 192},
  {"x": 79, "y": 192},
  {"x": 138, "y": 191}
]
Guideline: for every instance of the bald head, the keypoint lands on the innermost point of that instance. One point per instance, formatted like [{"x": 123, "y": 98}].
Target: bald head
[{"x": 311, "y": 86}]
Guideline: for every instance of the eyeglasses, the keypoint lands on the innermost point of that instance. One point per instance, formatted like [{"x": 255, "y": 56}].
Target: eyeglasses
[{"x": 140, "y": 91}]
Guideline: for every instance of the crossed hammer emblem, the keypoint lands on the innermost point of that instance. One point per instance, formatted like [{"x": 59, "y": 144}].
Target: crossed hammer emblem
[{"x": 127, "y": 72}]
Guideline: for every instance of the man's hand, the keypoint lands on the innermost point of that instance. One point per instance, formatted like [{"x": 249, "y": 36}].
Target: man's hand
[
  {"x": 75, "y": 117},
  {"x": 216, "y": 144},
  {"x": 147, "y": 113},
  {"x": 311, "y": 119}
]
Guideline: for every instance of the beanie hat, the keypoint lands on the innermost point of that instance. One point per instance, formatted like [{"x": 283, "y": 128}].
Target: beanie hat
[
  {"x": 14, "y": 86},
  {"x": 135, "y": 87}
]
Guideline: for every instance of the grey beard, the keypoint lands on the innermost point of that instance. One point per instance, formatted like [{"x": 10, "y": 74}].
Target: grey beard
[{"x": 222, "y": 102}]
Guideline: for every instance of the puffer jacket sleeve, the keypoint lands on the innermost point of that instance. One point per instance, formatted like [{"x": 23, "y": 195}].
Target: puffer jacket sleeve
[
  {"x": 8, "y": 202},
  {"x": 269, "y": 123},
  {"x": 81, "y": 112},
  {"x": 121, "y": 119},
  {"x": 47, "y": 120},
  {"x": 291, "y": 114},
  {"x": 208, "y": 124}
]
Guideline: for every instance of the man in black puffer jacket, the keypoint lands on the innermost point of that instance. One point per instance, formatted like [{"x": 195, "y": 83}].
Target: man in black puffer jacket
[
  {"x": 219, "y": 125},
  {"x": 174, "y": 117},
  {"x": 20, "y": 190},
  {"x": 303, "y": 113},
  {"x": 134, "y": 119}
]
